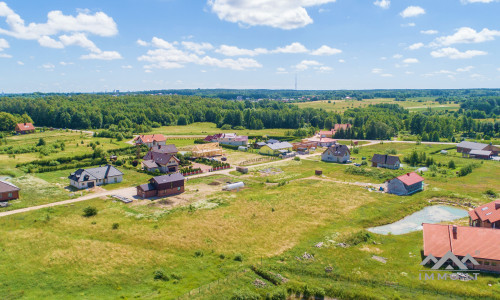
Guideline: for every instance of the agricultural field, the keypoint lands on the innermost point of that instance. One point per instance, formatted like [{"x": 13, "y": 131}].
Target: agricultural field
[
  {"x": 413, "y": 104},
  {"x": 223, "y": 245}
]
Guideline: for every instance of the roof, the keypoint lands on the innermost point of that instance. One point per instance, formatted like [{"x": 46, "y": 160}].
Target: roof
[
  {"x": 342, "y": 126},
  {"x": 272, "y": 141},
  {"x": 338, "y": 150},
  {"x": 25, "y": 126},
  {"x": 481, "y": 152},
  {"x": 327, "y": 140},
  {"x": 210, "y": 138},
  {"x": 150, "y": 164},
  {"x": 479, "y": 242},
  {"x": 410, "y": 178},
  {"x": 164, "y": 149},
  {"x": 280, "y": 146},
  {"x": 472, "y": 145},
  {"x": 147, "y": 187},
  {"x": 7, "y": 187},
  {"x": 488, "y": 212},
  {"x": 385, "y": 159},
  {"x": 95, "y": 173},
  {"x": 168, "y": 178},
  {"x": 262, "y": 144},
  {"x": 330, "y": 132},
  {"x": 159, "y": 158},
  {"x": 151, "y": 138}
]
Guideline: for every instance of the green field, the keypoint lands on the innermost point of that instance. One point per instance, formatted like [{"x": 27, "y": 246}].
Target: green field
[
  {"x": 205, "y": 128},
  {"x": 208, "y": 250}
]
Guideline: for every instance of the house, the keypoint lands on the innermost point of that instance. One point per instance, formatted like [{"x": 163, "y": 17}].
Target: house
[
  {"x": 406, "y": 184},
  {"x": 24, "y": 128},
  {"x": 466, "y": 147},
  {"x": 166, "y": 149},
  {"x": 206, "y": 150},
  {"x": 276, "y": 149},
  {"x": 151, "y": 140},
  {"x": 259, "y": 145},
  {"x": 272, "y": 141},
  {"x": 483, "y": 244},
  {"x": 162, "y": 162},
  {"x": 162, "y": 186},
  {"x": 481, "y": 154},
  {"x": 326, "y": 133},
  {"x": 336, "y": 153},
  {"x": 326, "y": 142},
  {"x": 230, "y": 139},
  {"x": 339, "y": 127},
  {"x": 8, "y": 191},
  {"x": 213, "y": 138},
  {"x": 487, "y": 215},
  {"x": 304, "y": 146},
  {"x": 88, "y": 178},
  {"x": 386, "y": 161}
]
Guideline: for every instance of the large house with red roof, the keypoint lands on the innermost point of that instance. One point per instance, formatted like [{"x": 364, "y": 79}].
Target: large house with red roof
[
  {"x": 151, "y": 140},
  {"x": 483, "y": 244},
  {"x": 406, "y": 184},
  {"x": 24, "y": 128},
  {"x": 487, "y": 215}
]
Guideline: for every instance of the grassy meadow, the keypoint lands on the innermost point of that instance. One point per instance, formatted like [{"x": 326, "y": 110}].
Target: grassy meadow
[{"x": 206, "y": 128}]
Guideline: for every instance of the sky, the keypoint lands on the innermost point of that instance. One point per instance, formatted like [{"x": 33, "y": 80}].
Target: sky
[{"x": 136, "y": 45}]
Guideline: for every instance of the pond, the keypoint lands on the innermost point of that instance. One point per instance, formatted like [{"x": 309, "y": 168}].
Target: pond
[{"x": 431, "y": 214}]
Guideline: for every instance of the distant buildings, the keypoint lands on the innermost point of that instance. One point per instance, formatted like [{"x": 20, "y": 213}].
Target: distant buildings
[
  {"x": 336, "y": 153},
  {"x": 162, "y": 186},
  {"x": 8, "y": 191},
  {"x": 89, "y": 178},
  {"x": 487, "y": 215},
  {"x": 24, "y": 128},
  {"x": 276, "y": 149},
  {"x": 406, "y": 184},
  {"x": 477, "y": 150},
  {"x": 331, "y": 133},
  {"x": 230, "y": 139},
  {"x": 386, "y": 161},
  {"x": 151, "y": 140}
]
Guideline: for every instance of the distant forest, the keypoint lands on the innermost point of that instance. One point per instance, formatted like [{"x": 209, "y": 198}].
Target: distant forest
[{"x": 139, "y": 113}]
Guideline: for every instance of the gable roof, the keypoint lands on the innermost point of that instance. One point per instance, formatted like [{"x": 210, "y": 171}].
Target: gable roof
[
  {"x": 280, "y": 146},
  {"x": 481, "y": 152},
  {"x": 327, "y": 132},
  {"x": 7, "y": 187},
  {"x": 272, "y": 141},
  {"x": 472, "y": 145},
  {"x": 98, "y": 173},
  {"x": 25, "y": 126},
  {"x": 341, "y": 126},
  {"x": 168, "y": 178},
  {"x": 488, "y": 212},
  {"x": 338, "y": 150},
  {"x": 151, "y": 138},
  {"x": 210, "y": 138},
  {"x": 479, "y": 242},
  {"x": 164, "y": 149},
  {"x": 150, "y": 164},
  {"x": 410, "y": 178},
  {"x": 385, "y": 159},
  {"x": 159, "y": 158}
]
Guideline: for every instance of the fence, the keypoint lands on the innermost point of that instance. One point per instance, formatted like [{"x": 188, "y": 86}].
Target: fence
[
  {"x": 207, "y": 287},
  {"x": 257, "y": 160}
]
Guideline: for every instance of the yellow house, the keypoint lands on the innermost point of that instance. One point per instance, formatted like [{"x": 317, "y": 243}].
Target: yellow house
[{"x": 276, "y": 149}]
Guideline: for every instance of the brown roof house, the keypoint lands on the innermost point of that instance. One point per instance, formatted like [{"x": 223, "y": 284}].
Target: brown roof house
[
  {"x": 468, "y": 248},
  {"x": 162, "y": 162},
  {"x": 386, "y": 161},
  {"x": 167, "y": 149},
  {"x": 487, "y": 215},
  {"x": 24, "y": 128},
  {"x": 336, "y": 153},
  {"x": 406, "y": 184},
  {"x": 162, "y": 186},
  {"x": 477, "y": 149},
  {"x": 8, "y": 191},
  {"x": 151, "y": 140}
]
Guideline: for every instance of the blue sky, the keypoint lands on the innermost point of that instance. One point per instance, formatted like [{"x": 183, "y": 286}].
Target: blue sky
[{"x": 86, "y": 46}]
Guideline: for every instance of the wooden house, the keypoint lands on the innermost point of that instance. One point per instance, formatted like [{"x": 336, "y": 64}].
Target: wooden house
[
  {"x": 162, "y": 186},
  {"x": 24, "y": 128},
  {"x": 336, "y": 153},
  {"x": 8, "y": 191},
  {"x": 276, "y": 149},
  {"x": 467, "y": 147},
  {"x": 386, "y": 161},
  {"x": 406, "y": 184}
]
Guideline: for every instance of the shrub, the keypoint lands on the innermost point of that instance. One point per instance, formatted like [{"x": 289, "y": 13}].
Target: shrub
[
  {"x": 238, "y": 257},
  {"x": 245, "y": 295},
  {"x": 176, "y": 276},
  {"x": 222, "y": 256},
  {"x": 364, "y": 163},
  {"x": 89, "y": 212},
  {"x": 491, "y": 193},
  {"x": 277, "y": 295},
  {"x": 226, "y": 127},
  {"x": 198, "y": 253},
  {"x": 358, "y": 238},
  {"x": 159, "y": 275},
  {"x": 115, "y": 226},
  {"x": 41, "y": 142},
  {"x": 451, "y": 164},
  {"x": 355, "y": 150},
  {"x": 269, "y": 276},
  {"x": 296, "y": 158}
]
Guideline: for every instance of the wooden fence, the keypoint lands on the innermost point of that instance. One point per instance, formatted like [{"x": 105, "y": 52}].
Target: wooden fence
[{"x": 257, "y": 160}]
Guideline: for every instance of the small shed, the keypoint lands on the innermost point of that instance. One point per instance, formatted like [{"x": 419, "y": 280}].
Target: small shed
[
  {"x": 444, "y": 152},
  {"x": 319, "y": 172},
  {"x": 242, "y": 148},
  {"x": 243, "y": 170},
  {"x": 234, "y": 186}
]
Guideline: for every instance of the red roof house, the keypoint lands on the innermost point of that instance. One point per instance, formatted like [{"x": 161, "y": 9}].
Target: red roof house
[
  {"x": 481, "y": 243},
  {"x": 487, "y": 215},
  {"x": 151, "y": 140},
  {"x": 24, "y": 128},
  {"x": 406, "y": 184},
  {"x": 8, "y": 191}
]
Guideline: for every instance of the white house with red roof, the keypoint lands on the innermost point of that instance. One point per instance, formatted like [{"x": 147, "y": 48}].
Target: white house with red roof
[
  {"x": 483, "y": 244},
  {"x": 406, "y": 184},
  {"x": 487, "y": 215},
  {"x": 151, "y": 140}
]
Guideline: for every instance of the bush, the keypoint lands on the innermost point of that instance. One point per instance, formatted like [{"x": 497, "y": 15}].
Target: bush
[
  {"x": 358, "y": 238},
  {"x": 238, "y": 257},
  {"x": 115, "y": 226},
  {"x": 41, "y": 142},
  {"x": 89, "y": 212},
  {"x": 269, "y": 276},
  {"x": 226, "y": 127},
  {"x": 277, "y": 295},
  {"x": 451, "y": 164},
  {"x": 355, "y": 150},
  {"x": 198, "y": 253},
  {"x": 296, "y": 158},
  {"x": 491, "y": 193},
  {"x": 159, "y": 275},
  {"x": 245, "y": 295}
]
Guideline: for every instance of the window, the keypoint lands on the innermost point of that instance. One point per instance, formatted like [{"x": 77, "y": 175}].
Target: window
[
  {"x": 494, "y": 264},
  {"x": 480, "y": 262},
  {"x": 10, "y": 195},
  {"x": 116, "y": 180},
  {"x": 486, "y": 263},
  {"x": 179, "y": 188}
]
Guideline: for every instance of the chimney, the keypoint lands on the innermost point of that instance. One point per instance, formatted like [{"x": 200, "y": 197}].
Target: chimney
[
  {"x": 497, "y": 205},
  {"x": 455, "y": 231},
  {"x": 408, "y": 174}
]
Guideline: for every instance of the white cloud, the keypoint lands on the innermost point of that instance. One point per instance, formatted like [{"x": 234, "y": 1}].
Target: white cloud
[
  {"x": 240, "y": 64},
  {"x": 477, "y": 1},
  {"x": 4, "y": 44},
  {"x": 48, "y": 66},
  {"x": 198, "y": 48},
  {"x": 325, "y": 50},
  {"x": 410, "y": 61},
  {"x": 283, "y": 14},
  {"x": 235, "y": 51},
  {"x": 63, "y": 63},
  {"x": 79, "y": 39},
  {"x": 281, "y": 71},
  {"x": 454, "y": 53},
  {"x": 127, "y": 67},
  {"x": 476, "y": 76},
  {"x": 46, "y": 41},
  {"x": 465, "y": 69},
  {"x": 3, "y": 55},
  {"x": 467, "y": 35},
  {"x": 104, "y": 55},
  {"x": 386, "y": 75},
  {"x": 416, "y": 46},
  {"x": 397, "y": 56},
  {"x": 341, "y": 61},
  {"x": 160, "y": 43},
  {"x": 498, "y": 69},
  {"x": 383, "y": 3},
  {"x": 429, "y": 32},
  {"x": 292, "y": 48},
  {"x": 325, "y": 69},
  {"x": 412, "y": 11},
  {"x": 142, "y": 43},
  {"x": 409, "y": 25},
  {"x": 306, "y": 64},
  {"x": 376, "y": 71}
]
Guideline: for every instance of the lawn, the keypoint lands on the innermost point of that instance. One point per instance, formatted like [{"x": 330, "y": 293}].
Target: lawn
[{"x": 204, "y": 129}]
